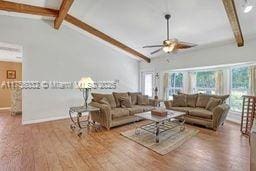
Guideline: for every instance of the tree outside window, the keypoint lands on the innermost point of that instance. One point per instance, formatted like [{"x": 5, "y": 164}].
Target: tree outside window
[
  {"x": 205, "y": 82},
  {"x": 239, "y": 87},
  {"x": 176, "y": 83}
]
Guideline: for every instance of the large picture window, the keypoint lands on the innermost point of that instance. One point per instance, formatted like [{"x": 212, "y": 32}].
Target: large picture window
[
  {"x": 176, "y": 83},
  {"x": 239, "y": 87},
  {"x": 205, "y": 82}
]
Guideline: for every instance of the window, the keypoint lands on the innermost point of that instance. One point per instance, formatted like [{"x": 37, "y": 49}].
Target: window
[
  {"x": 176, "y": 83},
  {"x": 239, "y": 87},
  {"x": 205, "y": 82},
  {"x": 148, "y": 84}
]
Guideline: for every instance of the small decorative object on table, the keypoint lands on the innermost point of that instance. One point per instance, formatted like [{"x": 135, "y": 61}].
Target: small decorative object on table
[
  {"x": 85, "y": 85},
  {"x": 75, "y": 114},
  {"x": 159, "y": 112}
]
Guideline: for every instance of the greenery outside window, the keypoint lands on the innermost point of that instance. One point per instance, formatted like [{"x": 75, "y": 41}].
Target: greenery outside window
[
  {"x": 205, "y": 82},
  {"x": 239, "y": 87},
  {"x": 176, "y": 83}
]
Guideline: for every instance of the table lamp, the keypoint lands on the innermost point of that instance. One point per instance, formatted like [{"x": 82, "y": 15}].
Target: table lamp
[{"x": 85, "y": 85}]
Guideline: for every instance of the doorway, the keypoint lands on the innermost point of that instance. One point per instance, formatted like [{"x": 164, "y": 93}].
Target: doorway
[{"x": 10, "y": 75}]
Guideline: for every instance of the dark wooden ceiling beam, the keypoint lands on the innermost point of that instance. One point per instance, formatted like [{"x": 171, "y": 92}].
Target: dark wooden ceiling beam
[
  {"x": 64, "y": 8},
  {"x": 230, "y": 8},
  {"x": 104, "y": 37},
  {"x": 27, "y": 9}
]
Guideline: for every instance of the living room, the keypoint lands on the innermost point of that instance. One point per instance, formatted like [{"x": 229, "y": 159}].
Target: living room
[{"x": 173, "y": 82}]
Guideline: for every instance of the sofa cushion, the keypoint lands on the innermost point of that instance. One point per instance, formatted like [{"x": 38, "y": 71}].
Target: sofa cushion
[
  {"x": 213, "y": 102},
  {"x": 148, "y": 108},
  {"x": 119, "y": 112},
  {"x": 145, "y": 108},
  {"x": 134, "y": 97},
  {"x": 191, "y": 100},
  {"x": 125, "y": 102},
  {"x": 117, "y": 96},
  {"x": 202, "y": 100},
  {"x": 138, "y": 106},
  {"x": 179, "y": 100},
  {"x": 181, "y": 109},
  {"x": 97, "y": 97},
  {"x": 143, "y": 100},
  {"x": 135, "y": 110},
  {"x": 200, "y": 112}
]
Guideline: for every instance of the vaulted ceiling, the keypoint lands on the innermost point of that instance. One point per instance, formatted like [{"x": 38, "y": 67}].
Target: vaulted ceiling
[{"x": 141, "y": 22}]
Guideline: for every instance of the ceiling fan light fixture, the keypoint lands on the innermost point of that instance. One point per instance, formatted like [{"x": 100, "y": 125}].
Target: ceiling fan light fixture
[
  {"x": 247, "y": 7},
  {"x": 170, "y": 48}
]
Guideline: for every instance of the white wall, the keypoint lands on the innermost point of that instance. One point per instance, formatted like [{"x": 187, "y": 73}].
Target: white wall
[
  {"x": 63, "y": 55},
  {"x": 218, "y": 55}
]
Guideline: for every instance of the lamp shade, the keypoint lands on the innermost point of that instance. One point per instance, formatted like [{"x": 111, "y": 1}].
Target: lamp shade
[{"x": 85, "y": 82}]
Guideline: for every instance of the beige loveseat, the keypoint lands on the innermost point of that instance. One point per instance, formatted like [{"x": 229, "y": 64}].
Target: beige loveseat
[
  {"x": 113, "y": 114},
  {"x": 201, "y": 109}
]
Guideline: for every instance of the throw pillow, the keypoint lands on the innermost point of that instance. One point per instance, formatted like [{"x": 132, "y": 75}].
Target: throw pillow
[
  {"x": 143, "y": 100},
  {"x": 213, "y": 102},
  {"x": 125, "y": 102},
  {"x": 191, "y": 100},
  {"x": 222, "y": 97},
  {"x": 97, "y": 97},
  {"x": 179, "y": 100},
  {"x": 134, "y": 97},
  {"x": 202, "y": 100},
  {"x": 105, "y": 101},
  {"x": 117, "y": 96}
]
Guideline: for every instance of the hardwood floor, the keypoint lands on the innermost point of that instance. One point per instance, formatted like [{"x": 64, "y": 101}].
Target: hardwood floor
[{"x": 53, "y": 146}]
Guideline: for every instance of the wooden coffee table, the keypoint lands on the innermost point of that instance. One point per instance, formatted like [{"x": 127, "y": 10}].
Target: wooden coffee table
[{"x": 159, "y": 124}]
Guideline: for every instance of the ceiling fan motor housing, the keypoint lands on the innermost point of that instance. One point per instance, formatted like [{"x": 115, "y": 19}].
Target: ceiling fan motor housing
[{"x": 167, "y": 16}]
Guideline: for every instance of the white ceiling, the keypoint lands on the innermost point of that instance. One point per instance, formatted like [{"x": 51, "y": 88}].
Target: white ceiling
[{"x": 141, "y": 22}]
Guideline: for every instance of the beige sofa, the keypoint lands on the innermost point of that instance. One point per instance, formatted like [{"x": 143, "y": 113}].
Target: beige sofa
[
  {"x": 114, "y": 115},
  {"x": 201, "y": 109}
]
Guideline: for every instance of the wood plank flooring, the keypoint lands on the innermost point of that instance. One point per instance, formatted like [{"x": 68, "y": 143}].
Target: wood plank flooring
[{"x": 53, "y": 146}]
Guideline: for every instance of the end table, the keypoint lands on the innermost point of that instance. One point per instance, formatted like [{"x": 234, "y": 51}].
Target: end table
[{"x": 76, "y": 113}]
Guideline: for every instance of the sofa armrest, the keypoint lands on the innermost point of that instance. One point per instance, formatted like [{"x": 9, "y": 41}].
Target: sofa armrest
[
  {"x": 104, "y": 116},
  {"x": 168, "y": 104},
  {"x": 219, "y": 115}
]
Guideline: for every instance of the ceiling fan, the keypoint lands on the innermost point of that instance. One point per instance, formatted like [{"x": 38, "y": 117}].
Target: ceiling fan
[{"x": 170, "y": 45}]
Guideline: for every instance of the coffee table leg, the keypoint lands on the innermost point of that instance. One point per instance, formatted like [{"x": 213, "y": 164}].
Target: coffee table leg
[{"x": 157, "y": 132}]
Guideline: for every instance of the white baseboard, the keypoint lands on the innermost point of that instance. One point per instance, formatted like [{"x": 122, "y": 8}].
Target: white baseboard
[
  {"x": 44, "y": 120},
  {"x": 5, "y": 108}
]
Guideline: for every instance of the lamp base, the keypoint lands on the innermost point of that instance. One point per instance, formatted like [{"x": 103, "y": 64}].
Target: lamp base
[
  {"x": 85, "y": 96},
  {"x": 86, "y": 104}
]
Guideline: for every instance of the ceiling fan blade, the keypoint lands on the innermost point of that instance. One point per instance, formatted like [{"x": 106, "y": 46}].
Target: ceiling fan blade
[
  {"x": 158, "y": 50},
  {"x": 152, "y": 46},
  {"x": 185, "y": 45}
]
